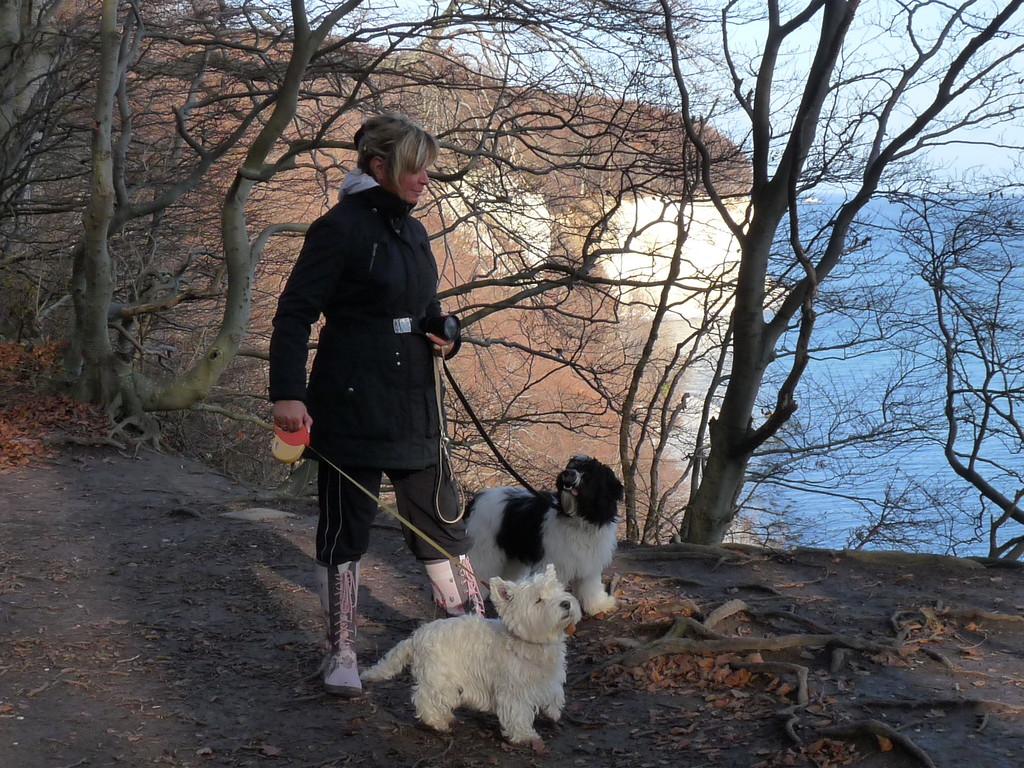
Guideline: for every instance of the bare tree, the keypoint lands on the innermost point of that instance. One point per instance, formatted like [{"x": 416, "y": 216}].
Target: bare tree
[
  {"x": 967, "y": 250},
  {"x": 36, "y": 84},
  {"x": 31, "y": 50},
  {"x": 852, "y": 121},
  {"x": 206, "y": 125},
  {"x": 211, "y": 120}
]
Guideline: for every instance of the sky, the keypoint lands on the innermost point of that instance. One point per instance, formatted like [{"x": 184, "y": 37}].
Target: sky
[{"x": 872, "y": 44}]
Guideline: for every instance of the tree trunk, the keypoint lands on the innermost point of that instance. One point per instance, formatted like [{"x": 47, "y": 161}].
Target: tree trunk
[{"x": 93, "y": 272}]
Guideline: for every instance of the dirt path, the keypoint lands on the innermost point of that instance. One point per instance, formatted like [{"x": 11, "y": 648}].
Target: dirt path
[{"x": 141, "y": 626}]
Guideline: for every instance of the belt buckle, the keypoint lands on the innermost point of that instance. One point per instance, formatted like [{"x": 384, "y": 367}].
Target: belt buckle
[{"x": 402, "y": 324}]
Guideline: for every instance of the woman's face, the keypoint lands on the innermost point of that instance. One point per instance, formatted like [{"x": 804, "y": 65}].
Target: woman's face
[{"x": 410, "y": 185}]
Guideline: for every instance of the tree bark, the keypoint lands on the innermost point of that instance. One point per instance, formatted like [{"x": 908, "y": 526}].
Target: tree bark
[{"x": 93, "y": 274}]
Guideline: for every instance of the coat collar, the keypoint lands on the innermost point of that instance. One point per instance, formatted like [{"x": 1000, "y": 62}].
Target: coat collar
[
  {"x": 390, "y": 204},
  {"x": 366, "y": 188}
]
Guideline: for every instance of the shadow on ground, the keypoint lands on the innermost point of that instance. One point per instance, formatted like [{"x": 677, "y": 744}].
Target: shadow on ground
[{"x": 141, "y": 626}]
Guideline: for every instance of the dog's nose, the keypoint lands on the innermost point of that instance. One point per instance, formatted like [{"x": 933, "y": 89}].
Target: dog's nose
[
  {"x": 566, "y": 605},
  {"x": 570, "y": 477}
]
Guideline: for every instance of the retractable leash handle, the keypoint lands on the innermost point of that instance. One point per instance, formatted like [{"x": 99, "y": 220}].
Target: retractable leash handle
[{"x": 289, "y": 446}]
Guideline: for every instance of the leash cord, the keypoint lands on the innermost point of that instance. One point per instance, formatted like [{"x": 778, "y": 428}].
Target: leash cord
[
  {"x": 444, "y": 460},
  {"x": 394, "y": 513},
  {"x": 486, "y": 437},
  {"x": 483, "y": 433}
]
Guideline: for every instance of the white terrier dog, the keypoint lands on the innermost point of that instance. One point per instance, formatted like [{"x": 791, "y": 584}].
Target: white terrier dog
[{"x": 513, "y": 666}]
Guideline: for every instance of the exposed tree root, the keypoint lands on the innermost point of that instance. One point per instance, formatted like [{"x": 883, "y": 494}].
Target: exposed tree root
[
  {"x": 301, "y": 481},
  {"x": 891, "y": 558},
  {"x": 672, "y": 645},
  {"x": 789, "y": 726},
  {"x": 733, "y": 607},
  {"x": 838, "y": 660},
  {"x": 756, "y": 587},
  {"x": 723, "y": 612},
  {"x": 707, "y": 553},
  {"x": 688, "y": 635},
  {"x": 998, "y": 562},
  {"x": 975, "y": 614},
  {"x": 787, "y": 616},
  {"x": 687, "y": 626},
  {"x": 877, "y": 728},
  {"x": 62, "y": 438},
  {"x": 939, "y": 657},
  {"x": 980, "y": 705},
  {"x": 662, "y": 578}
]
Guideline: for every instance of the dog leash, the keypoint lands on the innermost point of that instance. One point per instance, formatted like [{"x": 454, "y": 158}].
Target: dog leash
[
  {"x": 293, "y": 450},
  {"x": 483, "y": 433},
  {"x": 441, "y": 364},
  {"x": 395, "y": 514},
  {"x": 444, "y": 459}
]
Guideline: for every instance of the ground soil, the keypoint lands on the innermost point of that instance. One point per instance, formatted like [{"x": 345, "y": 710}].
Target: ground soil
[{"x": 153, "y": 612}]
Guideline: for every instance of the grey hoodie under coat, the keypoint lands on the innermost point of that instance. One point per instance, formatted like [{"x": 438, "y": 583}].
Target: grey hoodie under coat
[{"x": 370, "y": 391}]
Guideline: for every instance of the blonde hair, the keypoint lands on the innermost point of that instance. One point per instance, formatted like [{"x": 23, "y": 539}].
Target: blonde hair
[{"x": 405, "y": 146}]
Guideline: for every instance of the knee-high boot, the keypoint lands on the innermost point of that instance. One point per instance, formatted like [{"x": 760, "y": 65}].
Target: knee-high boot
[
  {"x": 339, "y": 586},
  {"x": 455, "y": 588}
]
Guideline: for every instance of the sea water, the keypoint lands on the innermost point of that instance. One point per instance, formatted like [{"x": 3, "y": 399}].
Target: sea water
[{"x": 861, "y": 462}]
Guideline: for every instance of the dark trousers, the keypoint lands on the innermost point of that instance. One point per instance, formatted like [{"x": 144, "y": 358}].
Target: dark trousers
[{"x": 346, "y": 513}]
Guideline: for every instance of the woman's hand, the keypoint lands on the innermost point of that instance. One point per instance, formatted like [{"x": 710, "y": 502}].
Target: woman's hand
[
  {"x": 445, "y": 347},
  {"x": 441, "y": 346},
  {"x": 291, "y": 415}
]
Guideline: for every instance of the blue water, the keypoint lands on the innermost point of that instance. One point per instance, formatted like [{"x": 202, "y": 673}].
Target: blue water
[{"x": 861, "y": 463}]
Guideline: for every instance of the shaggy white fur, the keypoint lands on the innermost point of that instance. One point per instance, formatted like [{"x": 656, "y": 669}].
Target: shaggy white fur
[{"x": 513, "y": 666}]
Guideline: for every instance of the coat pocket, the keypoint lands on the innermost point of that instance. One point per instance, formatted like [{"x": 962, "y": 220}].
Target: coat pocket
[{"x": 356, "y": 395}]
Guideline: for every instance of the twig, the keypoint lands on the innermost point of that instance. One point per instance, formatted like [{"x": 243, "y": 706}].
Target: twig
[
  {"x": 939, "y": 657},
  {"x": 779, "y": 668},
  {"x": 441, "y": 754}
]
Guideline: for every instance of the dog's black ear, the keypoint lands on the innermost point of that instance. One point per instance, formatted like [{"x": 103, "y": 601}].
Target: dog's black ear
[{"x": 611, "y": 483}]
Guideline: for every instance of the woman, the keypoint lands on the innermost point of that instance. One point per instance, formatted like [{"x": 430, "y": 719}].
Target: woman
[{"x": 370, "y": 404}]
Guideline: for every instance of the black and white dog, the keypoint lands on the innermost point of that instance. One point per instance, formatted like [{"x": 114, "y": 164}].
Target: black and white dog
[{"x": 514, "y": 532}]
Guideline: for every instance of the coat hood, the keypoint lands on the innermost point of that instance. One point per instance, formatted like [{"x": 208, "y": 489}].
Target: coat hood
[{"x": 356, "y": 181}]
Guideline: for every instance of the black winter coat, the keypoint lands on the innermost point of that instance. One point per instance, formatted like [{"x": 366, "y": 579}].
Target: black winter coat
[{"x": 371, "y": 390}]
